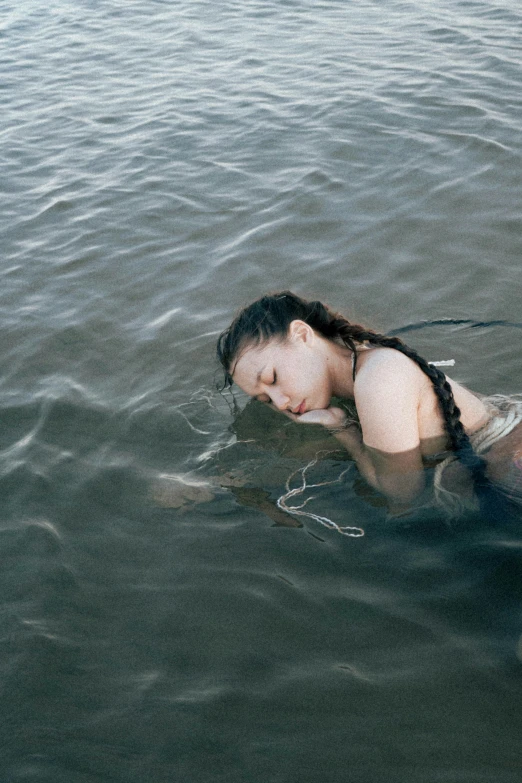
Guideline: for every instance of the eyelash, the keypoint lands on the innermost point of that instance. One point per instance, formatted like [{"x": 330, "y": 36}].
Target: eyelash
[{"x": 272, "y": 382}]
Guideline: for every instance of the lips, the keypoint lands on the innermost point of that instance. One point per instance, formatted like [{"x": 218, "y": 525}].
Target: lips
[{"x": 301, "y": 409}]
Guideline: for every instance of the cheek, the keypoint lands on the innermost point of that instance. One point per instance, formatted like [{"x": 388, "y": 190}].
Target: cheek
[
  {"x": 317, "y": 374},
  {"x": 313, "y": 383}
]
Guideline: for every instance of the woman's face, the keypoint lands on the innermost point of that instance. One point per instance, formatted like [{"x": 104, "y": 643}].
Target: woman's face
[{"x": 293, "y": 375}]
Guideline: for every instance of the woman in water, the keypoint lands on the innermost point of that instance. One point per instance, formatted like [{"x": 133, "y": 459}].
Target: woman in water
[{"x": 297, "y": 355}]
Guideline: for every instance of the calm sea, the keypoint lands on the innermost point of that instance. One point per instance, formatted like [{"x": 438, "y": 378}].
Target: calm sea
[{"x": 162, "y": 163}]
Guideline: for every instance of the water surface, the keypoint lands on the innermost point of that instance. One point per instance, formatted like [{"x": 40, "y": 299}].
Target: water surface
[{"x": 162, "y": 164}]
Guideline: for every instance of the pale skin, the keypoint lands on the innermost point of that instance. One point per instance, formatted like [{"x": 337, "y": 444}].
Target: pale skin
[{"x": 399, "y": 415}]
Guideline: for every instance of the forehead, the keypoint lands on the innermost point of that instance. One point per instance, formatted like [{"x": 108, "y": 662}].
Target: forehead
[{"x": 255, "y": 364}]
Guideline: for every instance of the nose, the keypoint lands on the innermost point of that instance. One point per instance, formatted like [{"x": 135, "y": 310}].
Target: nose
[{"x": 279, "y": 399}]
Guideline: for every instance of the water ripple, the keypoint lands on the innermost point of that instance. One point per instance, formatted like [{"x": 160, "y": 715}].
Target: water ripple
[{"x": 162, "y": 164}]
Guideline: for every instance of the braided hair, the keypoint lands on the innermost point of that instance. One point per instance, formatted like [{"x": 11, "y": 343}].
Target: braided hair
[{"x": 270, "y": 318}]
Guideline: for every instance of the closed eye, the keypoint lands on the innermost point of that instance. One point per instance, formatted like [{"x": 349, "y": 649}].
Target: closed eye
[{"x": 266, "y": 397}]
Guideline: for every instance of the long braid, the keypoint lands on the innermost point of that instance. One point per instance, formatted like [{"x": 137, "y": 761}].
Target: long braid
[
  {"x": 451, "y": 413},
  {"x": 353, "y": 334},
  {"x": 270, "y": 317}
]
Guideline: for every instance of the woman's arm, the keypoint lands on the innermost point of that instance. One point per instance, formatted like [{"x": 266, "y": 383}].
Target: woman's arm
[
  {"x": 387, "y": 447},
  {"x": 399, "y": 476}
]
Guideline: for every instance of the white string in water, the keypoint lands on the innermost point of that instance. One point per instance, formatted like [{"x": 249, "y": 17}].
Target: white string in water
[
  {"x": 444, "y": 363},
  {"x": 192, "y": 427},
  {"x": 200, "y": 395},
  {"x": 216, "y": 448},
  {"x": 354, "y": 532}
]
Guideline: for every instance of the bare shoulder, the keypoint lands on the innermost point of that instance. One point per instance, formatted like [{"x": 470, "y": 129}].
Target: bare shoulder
[
  {"x": 384, "y": 368},
  {"x": 387, "y": 390}
]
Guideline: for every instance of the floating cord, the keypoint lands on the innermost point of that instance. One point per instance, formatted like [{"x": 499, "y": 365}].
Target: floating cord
[
  {"x": 470, "y": 324},
  {"x": 354, "y": 532}
]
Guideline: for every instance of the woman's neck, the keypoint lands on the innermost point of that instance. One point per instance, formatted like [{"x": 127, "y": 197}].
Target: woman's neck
[{"x": 340, "y": 363}]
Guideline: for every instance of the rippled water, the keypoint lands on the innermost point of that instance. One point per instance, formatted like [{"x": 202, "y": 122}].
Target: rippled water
[{"x": 162, "y": 163}]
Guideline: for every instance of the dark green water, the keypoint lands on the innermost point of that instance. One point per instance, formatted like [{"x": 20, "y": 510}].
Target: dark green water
[{"x": 162, "y": 163}]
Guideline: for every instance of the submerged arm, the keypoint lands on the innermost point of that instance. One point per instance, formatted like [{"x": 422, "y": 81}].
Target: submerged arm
[
  {"x": 387, "y": 447},
  {"x": 398, "y": 475}
]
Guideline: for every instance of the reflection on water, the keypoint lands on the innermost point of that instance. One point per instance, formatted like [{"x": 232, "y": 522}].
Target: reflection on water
[{"x": 163, "y": 164}]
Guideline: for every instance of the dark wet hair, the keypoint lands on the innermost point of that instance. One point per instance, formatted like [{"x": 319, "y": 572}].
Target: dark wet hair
[{"x": 270, "y": 317}]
